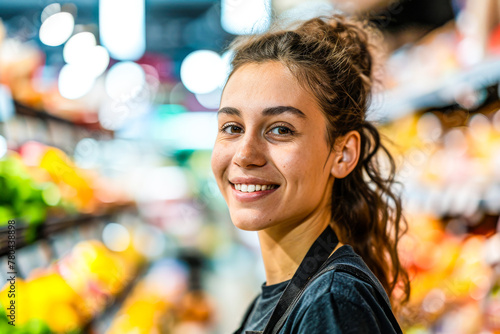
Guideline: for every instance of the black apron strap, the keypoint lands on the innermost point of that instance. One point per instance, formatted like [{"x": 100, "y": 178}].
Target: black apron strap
[{"x": 315, "y": 258}]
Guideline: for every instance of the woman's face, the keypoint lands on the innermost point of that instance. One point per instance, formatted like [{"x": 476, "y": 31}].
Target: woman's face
[{"x": 271, "y": 160}]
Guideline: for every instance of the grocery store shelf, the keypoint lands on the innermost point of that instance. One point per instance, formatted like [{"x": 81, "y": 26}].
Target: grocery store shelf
[
  {"x": 28, "y": 234},
  {"x": 25, "y": 110},
  {"x": 399, "y": 102},
  {"x": 22, "y": 109},
  {"x": 111, "y": 308}
]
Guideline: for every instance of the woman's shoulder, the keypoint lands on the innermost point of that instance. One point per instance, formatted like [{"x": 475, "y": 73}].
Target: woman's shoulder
[
  {"x": 344, "y": 285},
  {"x": 340, "y": 299}
]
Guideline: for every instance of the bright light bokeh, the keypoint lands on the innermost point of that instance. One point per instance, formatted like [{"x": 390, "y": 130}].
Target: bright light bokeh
[
  {"x": 50, "y": 10},
  {"x": 202, "y": 71},
  {"x": 122, "y": 28},
  {"x": 307, "y": 10},
  {"x": 81, "y": 50},
  {"x": 123, "y": 79},
  {"x": 78, "y": 47},
  {"x": 210, "y": 100},
  {"x": 57, "y": 28},
  {"x": 116, "y": 237},
  {"x": 246, "y": 17},
  {"x": 75, "y": 81},
  {"x": 98, "y": 60}
]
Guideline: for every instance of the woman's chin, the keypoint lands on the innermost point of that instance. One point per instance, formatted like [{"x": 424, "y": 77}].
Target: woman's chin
[
  {"x": 248, "y": 223},
  {"x": 246, "y": 227}
]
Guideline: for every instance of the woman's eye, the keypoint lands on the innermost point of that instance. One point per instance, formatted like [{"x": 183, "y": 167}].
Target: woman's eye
[
  {"x": 281, "y": 131},
  {"x": 232, "y": 129}
]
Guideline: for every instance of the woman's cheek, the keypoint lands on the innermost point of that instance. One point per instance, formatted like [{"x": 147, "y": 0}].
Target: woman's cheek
[
  {"x": 217, "y": 163},
  {"x": 292, "y": 162}
]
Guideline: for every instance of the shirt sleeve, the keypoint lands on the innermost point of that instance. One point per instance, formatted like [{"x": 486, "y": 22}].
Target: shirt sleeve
[{"x": 345, "y": 309}]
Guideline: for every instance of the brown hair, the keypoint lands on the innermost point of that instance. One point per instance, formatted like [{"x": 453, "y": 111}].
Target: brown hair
[{"x": 333, "y": 58}]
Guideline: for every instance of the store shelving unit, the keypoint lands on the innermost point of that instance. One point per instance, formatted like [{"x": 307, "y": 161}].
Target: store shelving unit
[
  {"x": 25, "y": 110},
  {"x": 113, "y": 304},
  {"x": 402, "y": 101},
  {"x": 448, "y": 269},
  {"x": 51, "y": 227},
  {"x": 30, "y": 124}
]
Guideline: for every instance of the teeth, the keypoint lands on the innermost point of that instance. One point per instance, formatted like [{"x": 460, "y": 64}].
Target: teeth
[{"x": 250, "y": 188}]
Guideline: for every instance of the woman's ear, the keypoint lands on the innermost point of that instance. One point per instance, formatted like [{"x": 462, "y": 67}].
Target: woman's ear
[{"x": 346, "y": 155}]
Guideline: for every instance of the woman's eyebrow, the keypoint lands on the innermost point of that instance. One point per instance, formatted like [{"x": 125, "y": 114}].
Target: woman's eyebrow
[
  {"x": 271, "y": 111},
  {"x": 229, "y": 111}
]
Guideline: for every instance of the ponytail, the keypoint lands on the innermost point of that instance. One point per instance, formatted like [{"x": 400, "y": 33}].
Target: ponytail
[{"x": 368, "y": 213}]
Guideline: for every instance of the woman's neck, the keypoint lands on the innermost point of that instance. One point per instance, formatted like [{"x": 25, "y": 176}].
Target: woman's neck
[{"x": 284, "y": 247}]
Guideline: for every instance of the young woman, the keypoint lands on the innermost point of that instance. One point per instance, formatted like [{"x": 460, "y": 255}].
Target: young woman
[{"x": 296, "y": 161}]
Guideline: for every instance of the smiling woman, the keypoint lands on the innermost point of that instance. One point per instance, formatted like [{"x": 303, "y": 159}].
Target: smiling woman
[{"x": 295, "y": 160}]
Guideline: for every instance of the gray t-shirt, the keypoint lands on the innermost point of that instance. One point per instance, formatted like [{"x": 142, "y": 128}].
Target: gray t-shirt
[
  {"x": 335, "y": 302},
  {"x": 265, "y": 304}
]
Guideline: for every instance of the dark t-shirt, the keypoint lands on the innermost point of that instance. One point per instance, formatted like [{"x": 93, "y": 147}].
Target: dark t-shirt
[{"x": 335, "y": 302}]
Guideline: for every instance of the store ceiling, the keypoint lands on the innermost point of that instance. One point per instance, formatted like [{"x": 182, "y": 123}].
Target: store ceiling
[{"x": 173, "y": 28}]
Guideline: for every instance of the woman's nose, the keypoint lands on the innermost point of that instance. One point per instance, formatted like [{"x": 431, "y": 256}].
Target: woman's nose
[{"x": 250, "y": 152}]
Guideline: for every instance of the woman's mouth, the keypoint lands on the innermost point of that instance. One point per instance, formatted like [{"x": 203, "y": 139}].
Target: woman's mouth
[
  {"x": 250, "y": 188},
  {"x": 251, "y": 192}
]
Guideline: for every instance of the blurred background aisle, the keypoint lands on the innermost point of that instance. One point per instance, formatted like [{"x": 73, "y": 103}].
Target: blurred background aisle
[{"x": 107, "y": 120}]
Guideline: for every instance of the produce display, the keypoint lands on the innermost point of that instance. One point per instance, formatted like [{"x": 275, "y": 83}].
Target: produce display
[
  {"x": 447, "y": 147},
  {"x": 41, "y": 184},
  {"x": 21, "y": 65},
  {"x": 21, "y": 196},
  {"x": 452, "y": 249},
  {"x": 75, "y": 288},
  {"x": 156, "y": 306},
  {"x": 18, "y": 65}
]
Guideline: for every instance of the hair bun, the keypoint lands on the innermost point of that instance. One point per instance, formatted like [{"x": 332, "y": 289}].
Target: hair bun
[
  {"x": 355, "y": 37},
  {"x": 346, "y": 39}
]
